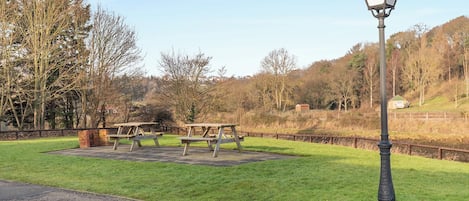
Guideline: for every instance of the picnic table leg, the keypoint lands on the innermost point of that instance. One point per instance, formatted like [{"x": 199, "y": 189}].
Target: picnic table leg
[
  {"x": 186, "y": 148},
  {"x": 116, "y": 143},
  {"x": 205, "y": 134},
  {"x": 156, "y": 141},
  {"x": 189, "y": 133},
  {"x": 236, "y": 138},
  {"x": 217, "y": 147},
  {"x": 205, "y": 131},
  {"x": 210, "y": 145},
  {"x": 133, "y": 144}
]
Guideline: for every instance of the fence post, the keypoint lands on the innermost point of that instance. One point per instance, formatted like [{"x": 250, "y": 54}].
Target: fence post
[
  {"x": 355, "y": 142},
  {"x": 410, "y": 150},
  {"x": 440, "y": 153}
]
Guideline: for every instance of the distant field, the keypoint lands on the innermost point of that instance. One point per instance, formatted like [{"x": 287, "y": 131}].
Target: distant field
[
  {"x": 438, "y": 122},
  {"x": 324, "y": 172},
  {"x": 440, "y": 104}
]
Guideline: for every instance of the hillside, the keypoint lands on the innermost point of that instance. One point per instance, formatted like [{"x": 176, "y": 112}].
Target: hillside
[
  {"x": 443, "y": 97},
  {"x": 439, "y": 121}
]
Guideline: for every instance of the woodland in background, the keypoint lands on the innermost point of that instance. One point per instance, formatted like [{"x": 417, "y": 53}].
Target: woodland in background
[
  {"x": 59, "y": 63},
  {"x": 71, "y": 68},
  {"x": 422, "y": 63}
]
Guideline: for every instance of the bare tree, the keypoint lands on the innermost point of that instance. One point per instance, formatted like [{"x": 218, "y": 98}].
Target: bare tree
[
  {"x": 186, "y": 85},
  {"x": 279, "y": 63},
  {"x": 317, "y": 89},
  {"x": 264, "y": 91},
  {"x": 343, "y": 87},
  {"x": 11, "y": 95},
  {"x": 442, "y": 42},
  {"x": 113, "y": 51},
  {"x": 395, "y": 65},
  {"x": 462, "y": 44},
  {"x": 6, "y": 42},
  {"x": 221, "y": 72},
  {"x": 422, "y": 67},
  {"x": 46, "y": 35},
  {"x": 371, "y": 69}
]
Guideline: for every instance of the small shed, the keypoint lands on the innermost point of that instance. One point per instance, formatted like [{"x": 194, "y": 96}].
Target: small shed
[
  {"x": 302, "y": 107},
  {"x": 398, "y": 102}
]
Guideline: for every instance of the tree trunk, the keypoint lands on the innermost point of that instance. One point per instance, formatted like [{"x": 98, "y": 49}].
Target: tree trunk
[
  {"x": 371, "y": 94},
  {"x": 465, "y": 71},
  {"x": 393, "y": 82},
  {"x": 84, "y": 108}
]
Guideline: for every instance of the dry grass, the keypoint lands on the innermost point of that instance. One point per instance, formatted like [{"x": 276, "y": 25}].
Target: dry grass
[{"x": 450, "y": 132}]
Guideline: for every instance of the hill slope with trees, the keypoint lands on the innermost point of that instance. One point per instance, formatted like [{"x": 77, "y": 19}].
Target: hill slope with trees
[{"x": 74, "y": 68}]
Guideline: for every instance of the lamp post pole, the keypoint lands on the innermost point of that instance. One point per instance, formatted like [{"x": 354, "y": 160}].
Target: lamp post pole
[
  {"x": 386, "y": 189},
  {"x": 382, "y": 9}
]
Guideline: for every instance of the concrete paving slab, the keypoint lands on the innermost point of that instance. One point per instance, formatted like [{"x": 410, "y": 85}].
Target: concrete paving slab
[{"x": 197, "y": 155}]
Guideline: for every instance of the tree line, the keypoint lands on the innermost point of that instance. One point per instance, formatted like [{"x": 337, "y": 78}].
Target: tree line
[
  {"x": 419, "y": 59},
  {"x": 59, "y": 63},
  {"x": 63, "y": 65}
]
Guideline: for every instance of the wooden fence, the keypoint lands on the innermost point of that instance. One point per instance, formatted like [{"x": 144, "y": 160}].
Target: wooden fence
[
  {"x": 30, "y": 134},
  {"x": 393, "y": 114},
  {"x": 429, "y": 115},
  {"x": 442, "y": 153}
]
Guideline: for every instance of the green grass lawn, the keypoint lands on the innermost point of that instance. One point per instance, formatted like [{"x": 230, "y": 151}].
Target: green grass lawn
[{"x": 324, "y": 172}]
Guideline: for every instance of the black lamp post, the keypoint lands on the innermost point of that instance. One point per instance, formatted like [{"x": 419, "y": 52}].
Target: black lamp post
[{"x": 382, "y": 9}]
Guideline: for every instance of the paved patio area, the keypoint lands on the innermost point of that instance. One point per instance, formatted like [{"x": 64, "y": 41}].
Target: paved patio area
[{"x": 197, "y": 155}]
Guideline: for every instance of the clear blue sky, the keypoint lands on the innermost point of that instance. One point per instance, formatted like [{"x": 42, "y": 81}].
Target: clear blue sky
[{"x": 238, "y": 34}]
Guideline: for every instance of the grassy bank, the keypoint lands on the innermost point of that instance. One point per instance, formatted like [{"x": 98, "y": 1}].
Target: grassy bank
[{"x": 324, "y": 172}]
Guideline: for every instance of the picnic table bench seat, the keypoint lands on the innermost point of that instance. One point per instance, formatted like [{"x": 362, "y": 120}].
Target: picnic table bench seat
[
  {"x": 210, "y": 141},
  {"x": 185, "y": 140},
  {"x": 135, "y": 139}
]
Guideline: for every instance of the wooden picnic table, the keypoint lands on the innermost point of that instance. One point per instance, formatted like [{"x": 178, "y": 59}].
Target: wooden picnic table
[
  {"x": 217, "y": 139},
  {"x": 134, "y": 131}
]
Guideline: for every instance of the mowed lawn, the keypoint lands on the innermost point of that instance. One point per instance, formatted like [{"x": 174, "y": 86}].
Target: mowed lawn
[{"x": 322, "y": 172}]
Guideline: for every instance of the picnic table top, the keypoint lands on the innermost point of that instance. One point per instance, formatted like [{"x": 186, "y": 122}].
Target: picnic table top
[
  {"x": 135, "y": 124},
  {"x": 211, "y": 125}
]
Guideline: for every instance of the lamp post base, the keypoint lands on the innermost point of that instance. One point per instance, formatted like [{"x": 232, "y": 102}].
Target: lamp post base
[{"x": 386, "y": 187}]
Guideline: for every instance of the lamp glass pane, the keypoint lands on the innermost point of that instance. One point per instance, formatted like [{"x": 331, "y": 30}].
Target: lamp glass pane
[
  {"x": 391, "y": 2},
  {"x": 373, "y": 3}
]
